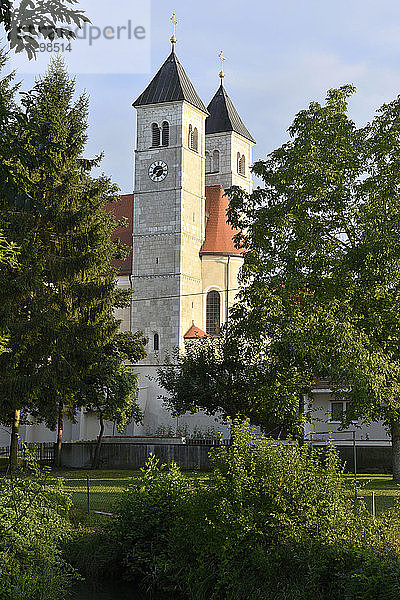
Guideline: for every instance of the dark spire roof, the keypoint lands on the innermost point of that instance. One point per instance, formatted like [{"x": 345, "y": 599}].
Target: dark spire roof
[
  {"x": 224, "y": 116},
  {"x": 170, "y": 84}
]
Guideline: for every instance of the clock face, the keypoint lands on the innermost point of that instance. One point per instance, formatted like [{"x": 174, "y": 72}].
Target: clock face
[{"x": 158, "y": 170}]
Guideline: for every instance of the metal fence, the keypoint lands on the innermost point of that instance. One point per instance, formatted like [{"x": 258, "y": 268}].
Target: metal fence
[{"x": 43, "y": 452}]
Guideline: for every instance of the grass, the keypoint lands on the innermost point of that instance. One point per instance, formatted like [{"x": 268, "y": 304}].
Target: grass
[
  {"x": 106, "y": 487},
  {"x": 387, "y": 493}
]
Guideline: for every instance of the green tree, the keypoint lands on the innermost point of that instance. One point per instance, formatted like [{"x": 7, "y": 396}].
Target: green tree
[
  {"x": 26, "y": 21},
  {"x": 110, "y": 387},
  {"x": 59, "y": 301},
  {"x": 322, "y": 271},
  {"x": 225, "y": 376}
]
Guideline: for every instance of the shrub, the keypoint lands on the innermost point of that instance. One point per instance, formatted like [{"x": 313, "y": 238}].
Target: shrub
[
  {"x": 33, "y": 522},
  {"x": 273, "y": 521}
]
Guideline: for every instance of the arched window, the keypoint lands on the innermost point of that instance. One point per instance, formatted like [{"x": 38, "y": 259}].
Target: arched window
[
  {"x": 213, "y": 313},
  {"x": 238, "y": 162},
  {"x": 190, "y": 136},
  {"x": 195, "y": 140},
  {"x": 165, "y": 134},
  {"x": 242, "y": 165},
  {"x": 155, "y": 135},
  {"x": 208, "y": 162},
  {"x": 216, "y": 161},
  {"x": 156, "y": 342}
]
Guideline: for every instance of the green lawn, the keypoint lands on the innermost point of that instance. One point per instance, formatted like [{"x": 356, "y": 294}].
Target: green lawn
[
  {"x": 387, "y": 493},
  {"x": 106, "y": 487}
]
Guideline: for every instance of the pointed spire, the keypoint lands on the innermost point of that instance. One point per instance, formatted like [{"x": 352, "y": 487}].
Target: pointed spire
[
  {"x": 224, "y": 116},
  {"x": 170, "y": 84}
]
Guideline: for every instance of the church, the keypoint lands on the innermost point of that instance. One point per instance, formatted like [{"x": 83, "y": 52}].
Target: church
[{"x": 183, "y": 266}]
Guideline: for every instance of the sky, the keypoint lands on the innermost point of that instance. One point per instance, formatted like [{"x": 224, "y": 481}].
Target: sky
[{"x": 280, "y": 57}]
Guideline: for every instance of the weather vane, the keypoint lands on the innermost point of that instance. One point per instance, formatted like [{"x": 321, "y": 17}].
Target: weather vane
[
  {"x": 173, "y": 38},
  {"x": 222, "y": 57}
]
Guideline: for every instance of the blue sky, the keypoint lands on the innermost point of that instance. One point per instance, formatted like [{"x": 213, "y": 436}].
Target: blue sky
[{"x": 281, "y": 55}]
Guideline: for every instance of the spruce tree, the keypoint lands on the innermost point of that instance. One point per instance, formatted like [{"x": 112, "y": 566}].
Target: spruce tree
[{"x": 63, "y": 295}]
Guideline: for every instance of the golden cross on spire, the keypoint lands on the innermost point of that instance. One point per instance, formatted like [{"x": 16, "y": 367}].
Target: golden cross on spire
[
  {"x": 222, "y": 57},
  {"x": 173, "y": 38}
]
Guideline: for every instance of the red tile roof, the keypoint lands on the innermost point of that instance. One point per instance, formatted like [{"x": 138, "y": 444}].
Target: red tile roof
[
  {"x": 120, "y": 209},
  {"x": 218, "y": 233},
  {"x": 194, "y": 332}
]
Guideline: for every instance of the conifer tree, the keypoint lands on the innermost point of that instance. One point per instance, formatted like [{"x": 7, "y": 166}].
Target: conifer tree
[{"x": 60, "y": 300}]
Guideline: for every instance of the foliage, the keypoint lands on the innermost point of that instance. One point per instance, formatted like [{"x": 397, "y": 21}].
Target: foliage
[
  {"x": 58, "y": 303},
  {"x": 27, "y": 20},
  {"x": 110, "y": 386},
  {"x": 228, "y": 377},
  {"x": 321, "y": 277},
  {"x": 273, "y": 521},
  {"x": 33, "y": 524}
]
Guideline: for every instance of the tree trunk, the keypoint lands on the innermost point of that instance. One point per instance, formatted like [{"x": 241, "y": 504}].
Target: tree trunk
[
  {"x": 13, "y": 460},
  {"x": 96, "y": 458},
  {"x": 60, "y": 430},
  {"x": 395, "y": 431}
]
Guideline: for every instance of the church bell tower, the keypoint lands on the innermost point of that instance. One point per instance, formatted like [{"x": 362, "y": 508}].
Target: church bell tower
[{"x": 169, "y": 208}]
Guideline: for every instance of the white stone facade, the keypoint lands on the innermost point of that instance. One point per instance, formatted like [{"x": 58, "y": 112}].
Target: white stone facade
[{"x": 229, "y": 144}]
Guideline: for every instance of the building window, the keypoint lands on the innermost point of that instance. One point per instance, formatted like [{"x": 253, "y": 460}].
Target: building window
[
  {"x": 338, "y": 410},
  {"x": 193, "y": 138},
  {"x": 156, "y": 342},
  {"x": 155, "y": 135},
  {"x": 165, "y": 134},
  {"x": 216, "y": 161},
  {"x": 195, "y": 145},
  {"x": 208, "y": 162},
  {"x": 190, "y": 136},
  {"x": 213, "y": 313},
  {"x": 241, "y": 164}
]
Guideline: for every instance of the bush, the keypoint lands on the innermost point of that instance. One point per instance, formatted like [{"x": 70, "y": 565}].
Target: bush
[
  {"x": 33, "y": 523},
  {"x": 273, "y": 521}
]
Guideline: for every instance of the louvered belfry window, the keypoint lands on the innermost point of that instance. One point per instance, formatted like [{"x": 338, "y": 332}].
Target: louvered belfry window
[
  {"x": 213, "y": 313},
  {"x": 165, "y": 133},
  {"x": 208, "y": 162},
  {"x": 216, "y": 161},
  {"x": 195, "y": 140},
  {"x": 155, "y": 135},
  {"x": 156, "y": 342}
]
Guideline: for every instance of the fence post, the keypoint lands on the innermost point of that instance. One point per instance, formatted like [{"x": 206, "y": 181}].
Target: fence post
[
  {"x": 355, "y": 465},
  {"x": 88, "y": 493},
  {"x": 373, "y": 504}
]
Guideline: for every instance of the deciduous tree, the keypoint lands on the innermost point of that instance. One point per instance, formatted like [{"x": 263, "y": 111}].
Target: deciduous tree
[
  {"x": 225, "y": 376},
  {"x": 322, "y": 271}
]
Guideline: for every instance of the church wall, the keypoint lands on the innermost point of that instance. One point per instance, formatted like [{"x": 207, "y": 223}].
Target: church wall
[
  {"x": 240, "y": 144},
  {"x": 229, "y": 144},
  {"x": 123, "y": 314},
  {"x": 156, "y": 230},
  {"x": 214, "y": 277},
  {"x": 192, "y": 223}
]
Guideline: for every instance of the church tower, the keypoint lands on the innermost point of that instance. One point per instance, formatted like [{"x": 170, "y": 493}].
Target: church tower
[
  {"x": 169, "y": 213},
  {"x": 229, "y": 147}
]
